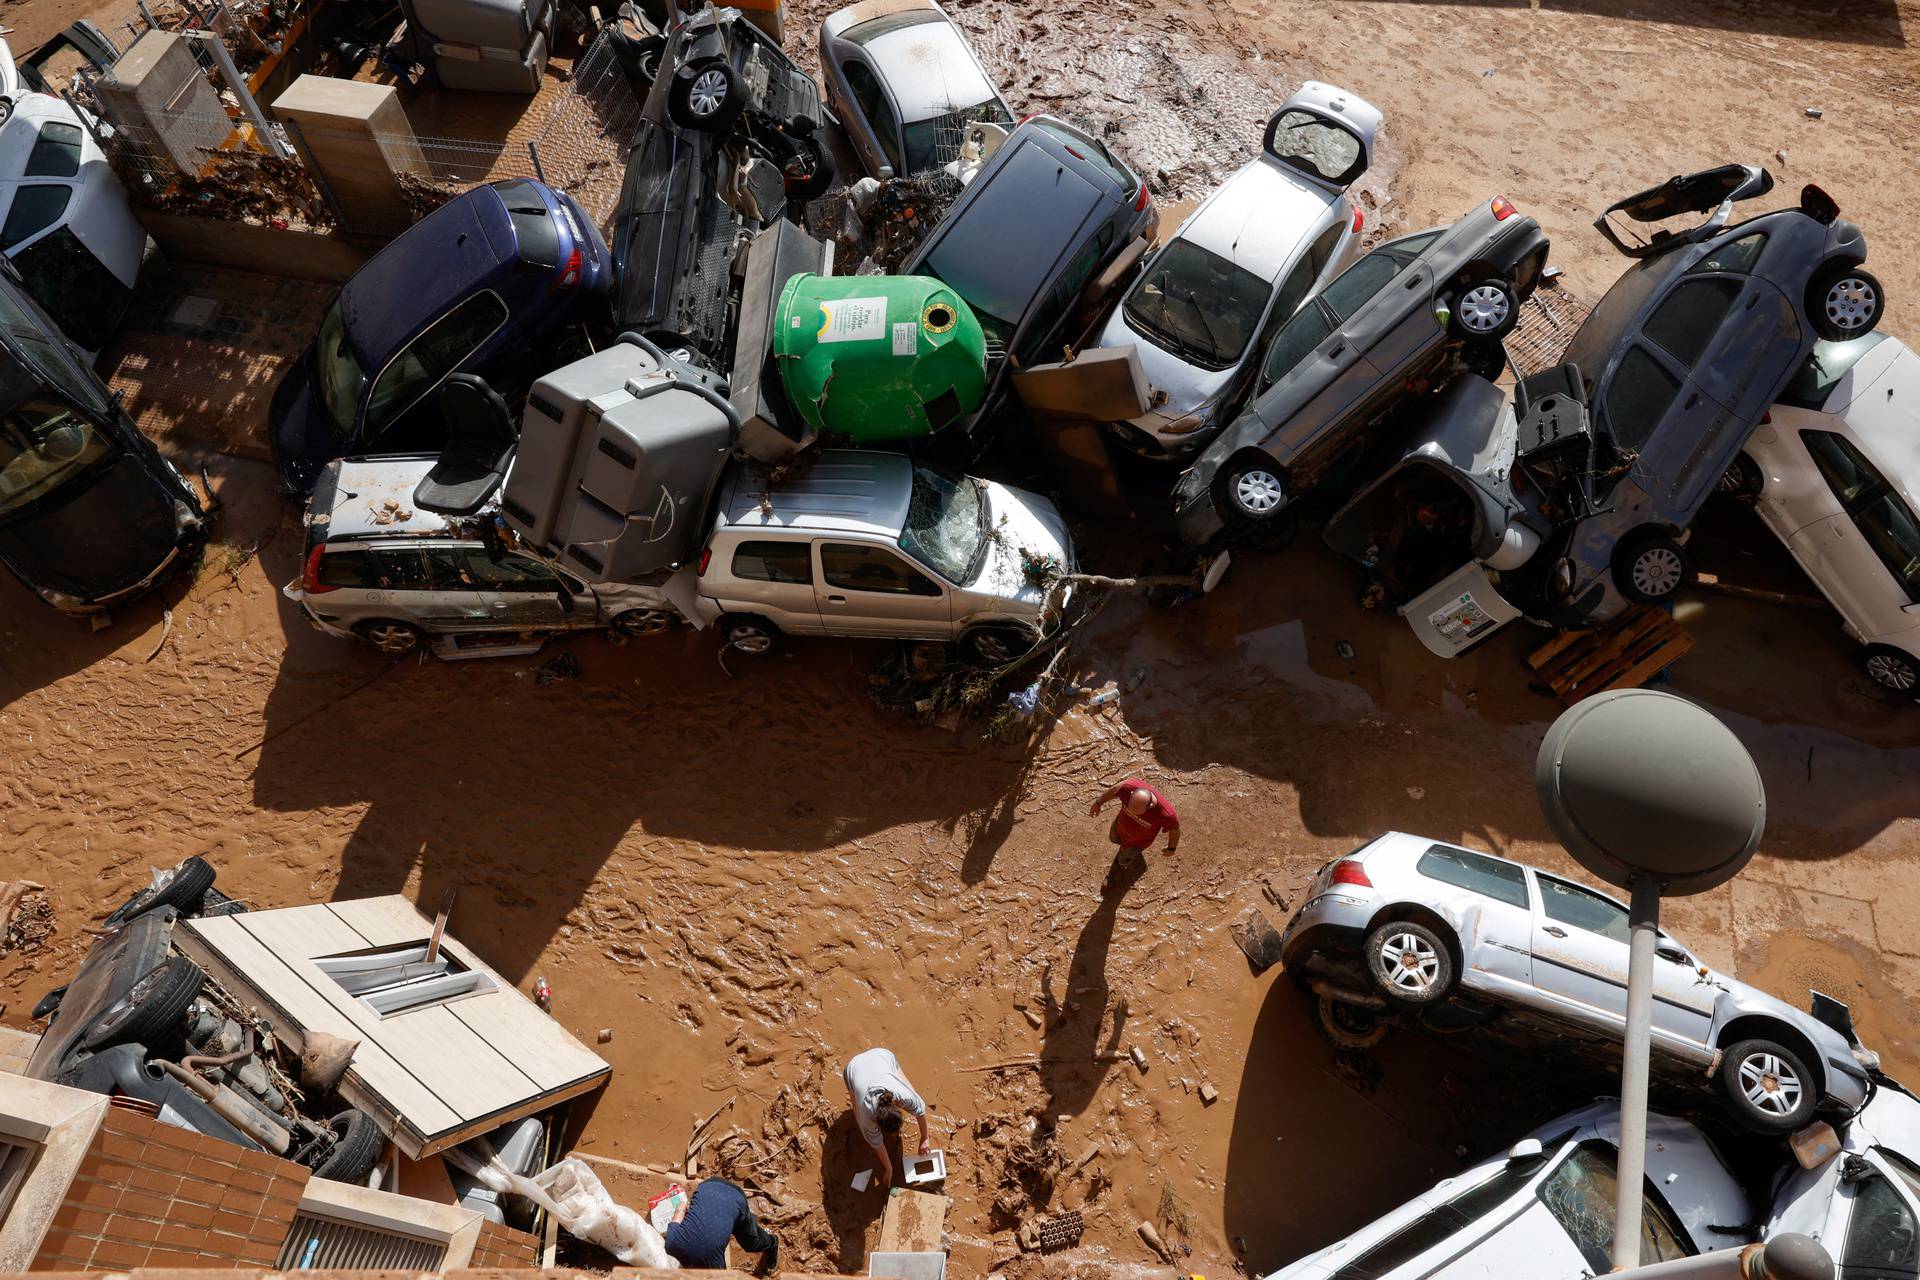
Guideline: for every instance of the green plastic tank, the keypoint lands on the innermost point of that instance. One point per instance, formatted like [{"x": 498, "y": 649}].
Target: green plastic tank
[{"x": 875, "y": 358}]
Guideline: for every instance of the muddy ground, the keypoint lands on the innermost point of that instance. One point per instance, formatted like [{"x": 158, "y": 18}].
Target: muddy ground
[{"x": 750, "y": 875}]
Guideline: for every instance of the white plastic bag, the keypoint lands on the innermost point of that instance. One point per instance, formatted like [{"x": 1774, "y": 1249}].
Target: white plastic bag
[{"x": 585, "y": 1209}]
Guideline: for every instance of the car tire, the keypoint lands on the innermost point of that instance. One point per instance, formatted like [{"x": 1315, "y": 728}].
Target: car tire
[
  {"x": 1844, "y": 302},
  {"x": 1409, "y": 963},
  {"x": 995, "y": 646},
  {"x": 1348, "y": 1025},
  {"x": 6, "y": 109},
  {"x": 1768, "y": 1086},
  {"x": 153, "y": 1013},
  {"x": 391, "y": 636},
  {"x": 706, "y": 96},
  {"x": 183, "y": 892},
  {"x": 1651, "y": 568},
  {"x": 644, "y": 622},
  {"x": 1892, "y": 669},
  {"x": 744, "y": 633},
  {"x": 1255, "y": 490},
  {"x": 1485, "y": 312},
  {"x": 819, "y": 175},
  {"x": 350, "y": 1154},
  {"x": 1743, "y": 480}
]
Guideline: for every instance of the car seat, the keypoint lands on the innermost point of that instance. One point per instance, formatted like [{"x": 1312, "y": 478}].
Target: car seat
[{"x": 480, "y": 445}]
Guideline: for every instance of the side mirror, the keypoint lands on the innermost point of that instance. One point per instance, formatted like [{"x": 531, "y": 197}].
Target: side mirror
[
  {"x": 1525, "y": 1149},
  {"x": 1674, "y": 955}
]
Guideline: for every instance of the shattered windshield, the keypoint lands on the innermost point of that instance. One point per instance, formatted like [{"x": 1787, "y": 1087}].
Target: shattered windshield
[
  {"x": 946, "y": 524},
  {"x": 1315, "y": 146},
  {"x": 1198, "y": 305},
  {"x": 339, "y": 375}
]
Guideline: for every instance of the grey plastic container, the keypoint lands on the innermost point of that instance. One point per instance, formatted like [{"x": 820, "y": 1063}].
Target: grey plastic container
[{"x": 492, "y": 46}]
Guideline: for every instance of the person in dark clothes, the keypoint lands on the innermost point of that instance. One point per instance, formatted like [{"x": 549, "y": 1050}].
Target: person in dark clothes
[{"x": 697, "y": 1236}]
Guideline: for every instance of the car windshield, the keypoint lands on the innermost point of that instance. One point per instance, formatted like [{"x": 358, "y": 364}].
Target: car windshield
[
  {"x": 1826, "y": 365},
  {"x": 946, "y": 526},
  {"x": 1198, "y": 305},
  {"x": 339, "y": 375},
  {"x": 43, "y": 444}
]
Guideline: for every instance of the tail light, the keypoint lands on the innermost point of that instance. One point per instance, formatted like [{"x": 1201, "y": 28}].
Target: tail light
[
  {"x": 706, "y": 554},
  {"x": 1358, "y": 219},
  {"x": 1502, "y": 208},
  {"x": 570, "y": 274},
  {"x": 1766, "y": 417},
  {"x": 1818, "y": 205},
  {"x": 1347, "y": 871},
  {"x": 1029, "y": 116},
  {"x": 1145, "y": 198},
  {"x": 310, "y": 580}
]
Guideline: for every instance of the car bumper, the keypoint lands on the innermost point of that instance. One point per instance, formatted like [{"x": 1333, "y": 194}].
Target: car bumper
[
  {"x": 192, "y": 535},
  {"x": 325, "y": 626},
  {"x": 1327, "y": 935},
  {"x": 1198, "y": 523}
]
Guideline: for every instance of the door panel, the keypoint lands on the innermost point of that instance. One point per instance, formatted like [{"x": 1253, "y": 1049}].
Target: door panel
[
  {"x": 869, "y": 590},
  {"x": 1753, "y": 350},
  {"x": 1394, "y": 336},
  {"x": 1580, "y": 948},
  {"x": 1835, "y": 557},
  {"x": 770, "y": 577}
]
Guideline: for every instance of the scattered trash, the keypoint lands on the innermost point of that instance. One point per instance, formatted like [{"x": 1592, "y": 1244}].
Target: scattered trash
[
  {"x": 1139, "y": 1058},
  {"x": 1344, "y": 649},
  {"x": 543, "y": 994},
  {"x": 1781, "y": 155},
  {"x": 25, "y": 923},
  {"x": 1814, "y": 113},
  {"x": 1208, "y": 1094},
  {"x": 1089, "y": 1155},
  {"x": 1034, "y": 1019},
  {"x": 1025, "y": 701},
  {"x": 1103, "y": 697},
  {"x": 1153, "y": 1241},
  {"x": 1255, "y": 935},
  {"x": 1416, "y": 793},
  {"x": 561, "y": 666},
  {"x": 1138, "y": 678},
  {"x": 861, "y": 1179},
  {"x": 581, "y": 1204},
  {"x": 1489, "y": 71},
  {"x": 606, "y": 1035}
]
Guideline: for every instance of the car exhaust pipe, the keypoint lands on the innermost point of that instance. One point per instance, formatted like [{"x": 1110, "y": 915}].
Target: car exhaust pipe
[
  {"x": 1346, "y": 996},
  {"x": 234, "y": 1109}
]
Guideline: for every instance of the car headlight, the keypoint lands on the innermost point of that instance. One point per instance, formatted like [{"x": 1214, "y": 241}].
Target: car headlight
[
  {"x": 1561, "y": 583},
  {"x": 1188, "y": 425}
]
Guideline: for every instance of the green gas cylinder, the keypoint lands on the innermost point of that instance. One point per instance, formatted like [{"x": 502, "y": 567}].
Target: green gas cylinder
[{"x": 875, "y": 358}]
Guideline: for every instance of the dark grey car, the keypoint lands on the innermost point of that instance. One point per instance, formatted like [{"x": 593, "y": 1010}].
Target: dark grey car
[
  {"x": 1676, "y": 366},
  {"x": 1404, "y": 318},
  {"x": 1046, "y": 213}
]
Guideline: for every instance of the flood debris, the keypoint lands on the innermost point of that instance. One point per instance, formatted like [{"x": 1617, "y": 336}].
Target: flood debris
[
  {"x": 26, "y": 916},
  {"x": 1255, "y": 935}
]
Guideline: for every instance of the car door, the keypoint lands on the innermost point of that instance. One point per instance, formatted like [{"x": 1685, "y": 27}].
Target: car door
[
  {"x": 769, "y": 576},
  {"x": 1882, "y": 1214},
  {"x": 866, "y": 589},
  {"x": 1327, "y": 367},
  {"x": 877, "y": 136},
  {"x": 1754, "y": 346},
  {"x": 453, "y": 600},
  {"x": 1693, "y": 443},
  {"x": 1866, "y": 559},
  {"x": 522, "y": 594},
  {"x": 1500, "y": 933}
]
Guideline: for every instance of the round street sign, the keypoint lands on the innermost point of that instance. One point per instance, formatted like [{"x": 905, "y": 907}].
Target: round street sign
[{"x": 1643, "y": 784}]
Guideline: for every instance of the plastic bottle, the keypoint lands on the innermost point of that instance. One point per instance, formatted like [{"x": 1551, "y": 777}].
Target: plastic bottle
[{"x": 542, "y": 993}]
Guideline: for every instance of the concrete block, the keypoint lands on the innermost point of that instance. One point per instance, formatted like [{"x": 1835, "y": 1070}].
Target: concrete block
[
  {"x": 158, "y": 93},
  {"x": 357, "y": 140}
]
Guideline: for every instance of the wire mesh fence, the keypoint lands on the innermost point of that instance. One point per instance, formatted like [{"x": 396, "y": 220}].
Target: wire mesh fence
[
  {"x": 583, "y": 143},
  {"x": 1548, "y": 321}
]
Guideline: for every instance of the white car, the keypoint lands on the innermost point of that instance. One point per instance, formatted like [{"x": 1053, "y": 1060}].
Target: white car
[
  {"x": 1863, "y": 1203},
  {"x": 65, "y": 221},
  {"x": 1834, "y": 471},
  {"x": 1210, "y": 299},
  {"x": 1545, "y": 1210}
]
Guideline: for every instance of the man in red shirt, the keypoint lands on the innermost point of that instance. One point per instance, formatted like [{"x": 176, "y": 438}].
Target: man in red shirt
[{"x": 1144, "y": 814}]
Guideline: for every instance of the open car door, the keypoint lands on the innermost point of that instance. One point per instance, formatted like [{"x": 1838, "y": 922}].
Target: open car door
[{"x": 1323, "y": 134}]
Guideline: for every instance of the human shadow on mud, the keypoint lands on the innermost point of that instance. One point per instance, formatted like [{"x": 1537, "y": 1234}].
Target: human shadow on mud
[
  {"x": 485, "y": 777},
  {"x": 1076, "y": 1006},
  {"x": 849, "y": 1213}
]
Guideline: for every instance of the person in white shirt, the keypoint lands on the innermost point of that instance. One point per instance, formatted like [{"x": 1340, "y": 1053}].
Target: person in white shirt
[{"x": 879, "y": 1093}]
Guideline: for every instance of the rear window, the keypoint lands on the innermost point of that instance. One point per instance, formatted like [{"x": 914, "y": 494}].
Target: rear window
[
  {"x": 57, "y": 153},
  {"x": 1315, "y": 146},
  {"x": 534, "y": 232},
  {"x": 1489, "y": 877},
  {"x": 1829, "y": 362},
  {"x": 1090, "y": 150},
  {"x": 774, "y": 562}
]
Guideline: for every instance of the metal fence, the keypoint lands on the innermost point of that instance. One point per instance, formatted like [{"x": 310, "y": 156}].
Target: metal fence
[{"x": 1548, "y": 321}]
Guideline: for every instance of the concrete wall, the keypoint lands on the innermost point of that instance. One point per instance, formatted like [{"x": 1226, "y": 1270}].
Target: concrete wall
[
  {"x": 305, "y": 255},
  {"x": 356, "y": 138}
]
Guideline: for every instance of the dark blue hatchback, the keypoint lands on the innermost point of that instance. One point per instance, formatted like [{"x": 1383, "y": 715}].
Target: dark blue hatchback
[{"x": 493, "y": 283}]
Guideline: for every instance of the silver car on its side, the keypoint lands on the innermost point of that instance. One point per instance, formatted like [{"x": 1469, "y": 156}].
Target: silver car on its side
[
  {"x": 905, "y": 84},
  {"x": 1207, "y": 303},
  {"x": 1405, "y": 922}
]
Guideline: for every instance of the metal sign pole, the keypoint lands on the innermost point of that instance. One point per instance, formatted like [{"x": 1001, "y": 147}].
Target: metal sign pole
[{"x": 1630, "y": 1194}]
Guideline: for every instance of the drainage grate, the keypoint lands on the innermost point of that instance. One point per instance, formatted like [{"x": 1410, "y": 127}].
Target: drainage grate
[
  {"x": 1548, "y": 321},
  {"x": 316, "y": 1243}
]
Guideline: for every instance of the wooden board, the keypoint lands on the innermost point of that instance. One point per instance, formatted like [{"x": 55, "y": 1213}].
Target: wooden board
[
  {"x": 1634, "y": 648},
  {"x": 914, "y": 1222},
  {"x": 433, "y": 1076}
]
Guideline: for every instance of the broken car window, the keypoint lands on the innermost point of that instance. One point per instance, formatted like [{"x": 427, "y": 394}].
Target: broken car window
[
  {"x": 43, "y": 443},
  {"x": 1489, "y": 877},
  {"x": 1882, "y": 1237},
  {"x": 1305, "y": 141},
  {"x": 1583, "y": 909},
  {"x": 946, "y": 524},
  {"x": 1198, "y": 305},
  {"x": 1580, "y": 1196}
]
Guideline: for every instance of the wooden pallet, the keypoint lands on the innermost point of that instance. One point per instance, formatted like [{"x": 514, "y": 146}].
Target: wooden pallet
[{"x": 1634, "y": 648}]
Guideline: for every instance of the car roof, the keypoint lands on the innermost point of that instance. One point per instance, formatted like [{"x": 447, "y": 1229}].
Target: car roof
[
  {"x": 930, "y": 69},
  {"x": 446, "y": 256},
  {"x": 843, "y": 491},
  {"x": 362, "y": 489},
  {"x": 22, "y": 129},
  {"x": 1259, "y": 218},
  {"x": 1879, "y": 400}
]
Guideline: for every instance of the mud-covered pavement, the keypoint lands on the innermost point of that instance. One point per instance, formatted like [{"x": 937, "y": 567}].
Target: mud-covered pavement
[{"x": 750, "y": 876}]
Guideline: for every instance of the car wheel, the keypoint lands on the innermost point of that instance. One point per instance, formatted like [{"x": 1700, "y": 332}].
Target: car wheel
[
  {"x": 1892, "y": 668},
  {"x": 810, "y": 172},
  {"x": 153, "y": 1012},
  {"x": 643, "y": 622},
  {"x": 1769, "y": 1087},
  {"x": 391, "y": 636},
  {"x": 1844, "y": 302},
  {"x": 1742, "y": 480},
  {"x": 1256, "y": 491},
  {"x": 348, "y": 1151},
  {"x": 706, "y": 96},
  {"x": 753, "y": 636},
  {"x": 1485, "y": 311},
  {"x": 995, "y": 646},
  {"x": 1348, "y": 1025},
  {"x": 183, "y": 891},
  {"x": 1409, "y": 963},
  {"x": 1650, "y": 569}
]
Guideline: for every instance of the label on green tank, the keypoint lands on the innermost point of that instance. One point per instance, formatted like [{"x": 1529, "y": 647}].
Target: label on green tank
[
  {"x": 906, "y": 338},
  {"x": 853, "y": 320}
]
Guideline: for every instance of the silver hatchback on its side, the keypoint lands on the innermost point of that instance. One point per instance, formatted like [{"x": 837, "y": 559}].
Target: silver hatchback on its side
[{"x": 1413, "y": 922}]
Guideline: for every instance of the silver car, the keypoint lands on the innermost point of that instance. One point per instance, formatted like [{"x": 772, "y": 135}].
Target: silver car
[
  {"x": 1404, "y": 923},
  {"x": 1544, "y": 1210},
  {"x": 905, "y": 84},
  {"x": 1209, "y": 300}
]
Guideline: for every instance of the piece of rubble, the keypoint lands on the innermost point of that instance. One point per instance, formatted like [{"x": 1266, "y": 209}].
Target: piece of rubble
[
  {"x": 1035, "y": 1019},
  {"x": 1153, "y": 1241},
  {"x": 606, "y": 1035},
  {"x": 1208, "y": 1094}
]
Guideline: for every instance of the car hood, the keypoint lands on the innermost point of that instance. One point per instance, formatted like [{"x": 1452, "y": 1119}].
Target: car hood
[
  {"x": 1026, "y": 527},
  {"x": 1187, "y": 386},
  {"x": 299, "y": 429},
  {"x": 102, "y": 534}
]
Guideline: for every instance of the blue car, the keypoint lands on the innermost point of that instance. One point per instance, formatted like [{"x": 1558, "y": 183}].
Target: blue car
[{"x": 493, "y": 283}]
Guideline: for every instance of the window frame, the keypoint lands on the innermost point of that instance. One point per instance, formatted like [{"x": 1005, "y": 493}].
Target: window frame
[
  {"x": 803, "y": 550},
  {"x": 1604, "y": 400},
  {"x": 827, "y": 579},
  {"x": 373, "y": 384},
  {"x": 891, "y": 143},
  {"x": 1455, "y": 853}
]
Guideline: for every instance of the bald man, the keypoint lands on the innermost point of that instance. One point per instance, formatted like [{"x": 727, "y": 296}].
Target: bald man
[{"x": 1144, "y": 814}]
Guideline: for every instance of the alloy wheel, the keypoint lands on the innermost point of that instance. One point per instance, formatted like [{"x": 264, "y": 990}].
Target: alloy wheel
[
  {"x": 391, "y": 638},
  {"x": 1770, "y": 1084},
  {"x": 1657, "y": 572},
  {"x": 708, "y": 91},
  {"x": 1484, "y": 309},
  {"x": 1259, "y": 492},
  {"x": 749, "y": 639},
  {"x": 1409, "y": 962},
  {"x": 1851, "y": 303},
  {"x": 1893, "y": 672}
]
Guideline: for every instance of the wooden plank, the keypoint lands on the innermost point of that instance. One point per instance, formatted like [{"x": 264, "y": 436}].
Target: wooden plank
[
  {"x": 1661, "y": 658},
  {"x": 240, "y": 962},
  {"x": 1554, "y": 647},
  {"x": 914, "y": 1222}
]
